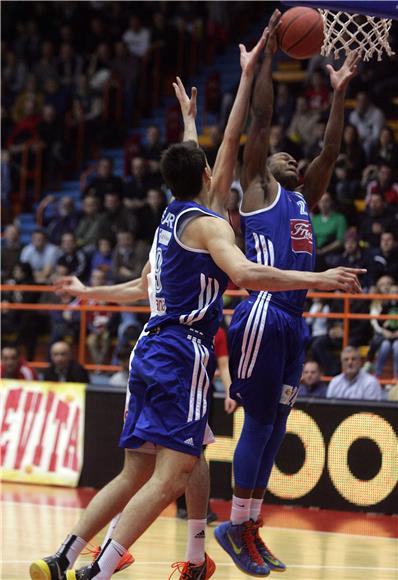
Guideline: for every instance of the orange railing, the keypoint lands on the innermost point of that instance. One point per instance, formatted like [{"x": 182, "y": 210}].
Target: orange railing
[{"x": 346, "y": 315}]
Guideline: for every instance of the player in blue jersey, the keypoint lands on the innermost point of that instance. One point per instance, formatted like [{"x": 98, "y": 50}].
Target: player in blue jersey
[
  {"x": 192, "y": 256},
  {"x": 267, "y": 334}
]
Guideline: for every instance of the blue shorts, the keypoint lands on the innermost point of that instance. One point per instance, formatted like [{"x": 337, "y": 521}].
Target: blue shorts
[
  {"x": 266, "y": 349},
  {"x": 170, "y": 375}
]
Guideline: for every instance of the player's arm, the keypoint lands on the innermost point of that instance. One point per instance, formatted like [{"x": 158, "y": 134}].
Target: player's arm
[
  {"x": 256, "y": 148},
  {"x": 319, "y": 172},
  {"x": 218, "y": 238},
  {"x": 124, "y": 293},
  {"x": 224, "y": 166},
  {"x": 188, "y": 110}
]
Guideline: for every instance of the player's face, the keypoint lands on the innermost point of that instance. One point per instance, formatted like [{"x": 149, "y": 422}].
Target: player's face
[{"x": 285, "y": 170}]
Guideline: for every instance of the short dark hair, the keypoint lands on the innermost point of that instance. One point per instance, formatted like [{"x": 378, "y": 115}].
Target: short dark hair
[{"x": 182, "y": 166}]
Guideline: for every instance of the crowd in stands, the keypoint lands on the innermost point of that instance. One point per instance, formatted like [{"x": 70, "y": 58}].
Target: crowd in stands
[{"x": 57, "y": 60}]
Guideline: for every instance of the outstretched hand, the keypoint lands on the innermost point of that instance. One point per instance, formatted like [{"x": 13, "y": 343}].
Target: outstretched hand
[
  {"x": 268, "y": 39},
  {"x": 273, "y": 25},
  {"x": 339, "y": 79},
  {"x": 341, "y": 278},
  {"x": 188, "y": 105}
]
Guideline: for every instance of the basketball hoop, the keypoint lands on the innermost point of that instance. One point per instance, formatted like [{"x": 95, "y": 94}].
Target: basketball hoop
[{"x": 348, "y": 32}]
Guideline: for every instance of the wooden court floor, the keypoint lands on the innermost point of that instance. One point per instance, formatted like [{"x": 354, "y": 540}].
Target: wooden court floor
[{"x": 315, "y": 544}]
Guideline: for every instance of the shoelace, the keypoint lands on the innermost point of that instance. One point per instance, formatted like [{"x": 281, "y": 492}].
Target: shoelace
[
  {"x": 255, "y": 527},
  {"x": 91, "y": 550},
  {"x": 248, "y": 540},
  {"x": 182, "y": 568}
]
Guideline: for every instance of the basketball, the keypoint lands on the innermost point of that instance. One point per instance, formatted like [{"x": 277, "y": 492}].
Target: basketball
[{"x": 300, "y": 33}]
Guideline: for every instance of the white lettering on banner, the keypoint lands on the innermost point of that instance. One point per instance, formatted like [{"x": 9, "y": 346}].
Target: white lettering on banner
[
  {"x": 42, "y": 428},
  {"x": 168, "y": 220},
  {"x": 301, "y": 235}
]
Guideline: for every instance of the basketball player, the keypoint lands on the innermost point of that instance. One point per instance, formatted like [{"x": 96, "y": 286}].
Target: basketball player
[
  {"x": 267, "y": 333},
  {"x": 191, "y": 258}
]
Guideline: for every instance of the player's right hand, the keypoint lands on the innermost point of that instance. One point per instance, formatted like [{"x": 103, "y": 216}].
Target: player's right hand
[
  {"x": 230, "y": 405},
  {"x": 343, "y": 279},
  {"x": 69, "y": 285},
  {"x": 188, "y": 105}
]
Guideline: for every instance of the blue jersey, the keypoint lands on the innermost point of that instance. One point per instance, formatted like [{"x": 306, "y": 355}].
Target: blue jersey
[
  {"x": 280, "y": 235},
  {"x": 185, "y": 285}
]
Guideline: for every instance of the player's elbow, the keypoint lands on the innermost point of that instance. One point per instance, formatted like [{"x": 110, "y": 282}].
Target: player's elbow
[
  {"x": 330, "y": 153},
  {"x": 242, "y": 277}
]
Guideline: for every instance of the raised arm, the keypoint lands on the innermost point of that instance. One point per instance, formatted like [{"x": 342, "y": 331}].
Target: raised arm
[
  {"x": 188, "y": 110},
  {"x": 218, "y": 238},
  {"x": 224, "y": 166},
  {"x": 256, "y": 148},
  {"x": 319, "y": 172},
  {"x": 119, "y": 293}
]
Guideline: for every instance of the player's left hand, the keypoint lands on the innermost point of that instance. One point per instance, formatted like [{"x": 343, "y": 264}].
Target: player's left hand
[
  {"x": 230, "y": 405},
  {"x": 188, "y": 105},
  {"x": 339, "y": 79}
]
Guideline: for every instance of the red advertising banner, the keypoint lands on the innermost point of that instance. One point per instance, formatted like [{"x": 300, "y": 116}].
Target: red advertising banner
[{"x": 42, "y": 431}]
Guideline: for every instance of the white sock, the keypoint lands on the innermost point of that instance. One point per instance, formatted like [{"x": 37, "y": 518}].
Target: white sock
[
  {"x": 240, "y": 511},
  {"x": 71, "y": 548},
  {"x": 255, "y": 509},
  {"x": 196, "y": 541},
  {"x": 108, "y": 560},
  {"x": 110, "y": 529}
]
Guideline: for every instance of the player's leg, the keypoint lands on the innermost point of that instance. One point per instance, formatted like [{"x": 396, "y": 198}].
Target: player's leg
[{"x": 168, "y": 481}]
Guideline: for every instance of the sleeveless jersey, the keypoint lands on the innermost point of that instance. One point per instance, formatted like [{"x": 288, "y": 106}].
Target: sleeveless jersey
[
  {"x": 185, "y": 286},
  {"x": 280, "y": 235}
]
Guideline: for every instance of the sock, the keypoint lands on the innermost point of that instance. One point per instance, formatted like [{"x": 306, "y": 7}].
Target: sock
[
  {"x": 69, "y": 550},
  {"x": 240, "y": 511},
  {"x": 196, "y": 541},
  {"x": 255, "y": 509},
  {"x": 111, "y": 528},
  {"x": 104, "y": 566}
]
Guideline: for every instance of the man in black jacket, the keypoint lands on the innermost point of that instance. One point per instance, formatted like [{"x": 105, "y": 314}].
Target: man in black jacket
[{"x": 63, "y": 368}]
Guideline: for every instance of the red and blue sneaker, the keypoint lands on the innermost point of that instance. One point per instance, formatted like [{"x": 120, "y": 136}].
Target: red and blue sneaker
[
  {"x": 239, "y": 542},
  {"x": 269, "y": 558}
]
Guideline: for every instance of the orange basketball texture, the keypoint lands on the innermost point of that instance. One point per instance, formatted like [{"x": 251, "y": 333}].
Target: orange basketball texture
[{"x": 300, "y": 33}]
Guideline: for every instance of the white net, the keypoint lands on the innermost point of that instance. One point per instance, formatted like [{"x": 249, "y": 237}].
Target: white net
[{"x": 349, "y": 32}]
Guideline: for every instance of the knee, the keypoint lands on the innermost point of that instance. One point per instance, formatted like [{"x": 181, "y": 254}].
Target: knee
[{"x": 171, "y": 488}]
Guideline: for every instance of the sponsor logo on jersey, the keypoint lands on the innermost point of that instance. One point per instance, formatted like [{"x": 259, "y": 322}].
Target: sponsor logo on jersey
[
  {"x": 301, "y": 235},
  {"x": 164, "y": 237},
  {"x": 289, "y": 395}
]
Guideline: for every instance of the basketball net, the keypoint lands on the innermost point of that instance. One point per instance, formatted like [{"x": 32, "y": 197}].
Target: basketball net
[{"x": 349, "y": 32}]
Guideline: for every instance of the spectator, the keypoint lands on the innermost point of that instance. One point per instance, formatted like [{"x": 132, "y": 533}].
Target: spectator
[
  {"x": 329, "y": 227},
  {"x": 152, "y": 148},
  {"x": 352, "y": 256},
  {"x": 51, "y": 136},
  {"x": 13, "y": 367},
  {"x": 23, "y": 323},
  {"x": 317, "y": 139},
  {"x": 376, "y": 220},
  {"x": 301, "y": 128},
  {"x": 72, "y": 258},
  {"x": 98, "y": 321},
  {"x": 318, "y": 326},
  {"x": 62, "y": 368},
  {"x": 26, "y": 128},
  {"x": 386, "y": 331},
  {"x": 65, "y": 221},
  {"x": 56, "y": 96},
  {"x": 136, "y": 186},
  {"x": 279, "y": 141},
  {"x": 45, "y": 68},
  {"x": 126, "y": 67},
  {"x": 99, "y": 68},
  {"x": 384, "y": 184},
  {"x": 149, "y": 215},
  {"x": 283, "y": 106},
  {"x": 368, "y": 120},
  {"x": 349, "y": 166},
  {"x": 120, "y": 379},
  {"x": 41, "y": 255},
  {"x": 211, "y": 150},
  {"x": 104, "y": 181},
  {"x": 30, "y": 93},
  {"x": 385, "y": 149},
  {"x": 353, "y": 382},
  {"x": 102, "y": 258},
  {"x": 384, "y": 261},
  {"x": 13, "y": 72},
  {"x": 10, "y": 250},
  {"x": 69, "y": 65},
  {"x": 317, "y": 94},
  {"x": 129, "y": 257},
  {"x": 311, "y": 384},
  {"x": 115, "y": 218},
  {"x": 88, "y": 228},
  {"x": 65, "y": 324},
  {"x": 137, "y": 37}
]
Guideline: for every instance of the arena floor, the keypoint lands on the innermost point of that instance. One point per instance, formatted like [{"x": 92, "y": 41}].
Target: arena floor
[{"x": 315, "y": 544}]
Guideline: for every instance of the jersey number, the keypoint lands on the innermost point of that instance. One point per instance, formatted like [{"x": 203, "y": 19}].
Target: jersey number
[
  {"x": 301, "y": 204},
  {"x": 158, "y": 270}
]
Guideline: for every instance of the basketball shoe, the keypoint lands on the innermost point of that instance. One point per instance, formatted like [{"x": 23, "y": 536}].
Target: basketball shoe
[
  {"x": 238, "y": 541},
  {"x": 50, "y": 568},
  {"x": 84, "y": 573},
  {"x": 272, "y": 562},
  {"x": 190, "y": 571}
]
